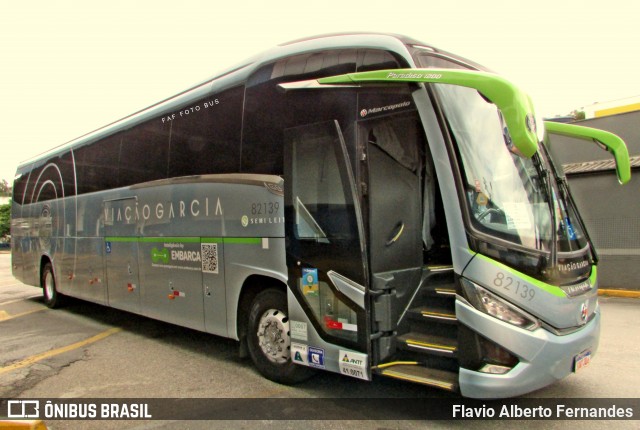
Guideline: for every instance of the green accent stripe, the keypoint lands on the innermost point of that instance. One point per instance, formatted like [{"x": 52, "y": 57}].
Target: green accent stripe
[
  {"x": 211, "y": 240},
  {"x": 243, "y": 240},
  {"x": 230, "y": 240},
  {"x": 120, "y": 239},
  {"x": 551, "y": 289},
  {"x": 594, "y": 275},
  {"x": 169, "y": 239}
]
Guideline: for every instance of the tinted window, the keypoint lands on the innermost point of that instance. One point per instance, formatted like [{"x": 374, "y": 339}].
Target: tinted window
[
  {"x": 51, "y": 179},
  {"x": 144, "y": 153},
  {"x": 205, "y": 136},
  {"x": 97, "y": 165},
  {"x": 434, "y": 61},
  {"x": 20, "y": 186},
  {"x": 131, "y": 157},
  {"x": 268, "y": 111},
  {"x": 377, "y": 60}
]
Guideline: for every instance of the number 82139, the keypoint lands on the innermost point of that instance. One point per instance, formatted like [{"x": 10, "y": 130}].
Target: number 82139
[{"x": 514, "y": 286}]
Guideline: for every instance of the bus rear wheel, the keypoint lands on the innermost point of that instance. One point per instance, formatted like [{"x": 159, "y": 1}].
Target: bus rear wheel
[
  {"x": 269, "y": 339},
  {"x": 52, "y": 298}
]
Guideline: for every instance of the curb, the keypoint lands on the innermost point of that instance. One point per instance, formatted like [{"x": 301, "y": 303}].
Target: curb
[
  {"x": 19, "y": 424},
  {"x": 619, "y": 293}
]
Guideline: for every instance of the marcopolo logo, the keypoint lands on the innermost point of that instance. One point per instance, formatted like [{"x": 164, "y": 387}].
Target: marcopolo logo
[
  {"x": 584, "y": 312},
  {"x": 383, "y": 109}
]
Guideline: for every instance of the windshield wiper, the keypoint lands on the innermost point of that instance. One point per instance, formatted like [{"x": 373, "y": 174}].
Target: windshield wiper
[
  {"x": 568, "y": 198},
  {"x": 565, "y": 195},
  {"x": 548, "y": 189}
]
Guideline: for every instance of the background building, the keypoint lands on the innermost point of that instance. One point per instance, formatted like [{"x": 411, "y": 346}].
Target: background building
[{"x": 602, "y": 109}]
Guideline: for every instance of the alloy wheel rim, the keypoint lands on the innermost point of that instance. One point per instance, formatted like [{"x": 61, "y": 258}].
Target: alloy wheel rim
[{"x": 273, "y": 336}]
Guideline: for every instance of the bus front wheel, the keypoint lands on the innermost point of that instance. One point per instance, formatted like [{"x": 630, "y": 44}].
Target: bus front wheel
[
  {"x": 52, "y": 298},
  {"x": 269, "y": 339}
]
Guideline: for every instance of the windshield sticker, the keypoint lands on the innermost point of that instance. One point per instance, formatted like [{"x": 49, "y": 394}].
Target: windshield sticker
[
  {"x": 517, "y": 216},
  {"x": 571, "y": 233},
  {"x": 310, "y": 282}
]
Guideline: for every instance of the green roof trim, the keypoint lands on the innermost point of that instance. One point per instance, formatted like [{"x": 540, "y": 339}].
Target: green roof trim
[{"x": 515, "y": 105}]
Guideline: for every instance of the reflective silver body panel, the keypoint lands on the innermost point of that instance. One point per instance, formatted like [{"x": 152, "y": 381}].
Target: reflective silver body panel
[{"x": 174, "y": 250}]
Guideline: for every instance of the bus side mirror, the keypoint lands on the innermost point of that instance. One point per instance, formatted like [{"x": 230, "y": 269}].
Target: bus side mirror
[{"x": 609, "y": 141}]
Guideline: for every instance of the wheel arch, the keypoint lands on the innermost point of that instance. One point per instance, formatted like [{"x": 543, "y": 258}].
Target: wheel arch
[{"x": 251, "y": 287}]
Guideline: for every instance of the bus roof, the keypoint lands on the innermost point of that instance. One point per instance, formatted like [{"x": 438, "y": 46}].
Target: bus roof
[{"x": 238, "y": 74}]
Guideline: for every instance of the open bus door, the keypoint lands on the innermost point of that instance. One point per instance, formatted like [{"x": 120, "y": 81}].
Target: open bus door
[{"x": 325, "y": 251}]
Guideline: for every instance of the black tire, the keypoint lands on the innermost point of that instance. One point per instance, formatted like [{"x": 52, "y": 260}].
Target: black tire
[
  {"x": 271, "y": 349},
  {"x": 52, "y": 298}
]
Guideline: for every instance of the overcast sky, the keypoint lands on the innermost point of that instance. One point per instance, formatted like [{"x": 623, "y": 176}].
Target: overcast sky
[{"x": 69, "y": 67}]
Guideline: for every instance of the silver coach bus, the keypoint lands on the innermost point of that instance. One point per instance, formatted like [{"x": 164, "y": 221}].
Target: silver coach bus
[{"x": 364, "y": 204}]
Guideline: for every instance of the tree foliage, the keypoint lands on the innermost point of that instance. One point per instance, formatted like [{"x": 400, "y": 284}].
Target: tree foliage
[
  {"x": 5, "y": 190},
  {"x": 5, "y": 220}
]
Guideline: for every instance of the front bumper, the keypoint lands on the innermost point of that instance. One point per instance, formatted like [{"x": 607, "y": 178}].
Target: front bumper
[{"x": 544, "y": 357}]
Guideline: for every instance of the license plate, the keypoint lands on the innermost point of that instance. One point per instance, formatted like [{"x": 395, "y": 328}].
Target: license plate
[{"x": 581, "y": 360}]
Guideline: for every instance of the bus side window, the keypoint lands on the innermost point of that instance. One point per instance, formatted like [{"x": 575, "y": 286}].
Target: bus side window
[
  {"x": 144, "y": 153},
  {"x": 51, "y": 179},
  {"x": 20, "y": 187},
  {"x": 97, "y": 165},
  {"x": 207, "y": 140}
]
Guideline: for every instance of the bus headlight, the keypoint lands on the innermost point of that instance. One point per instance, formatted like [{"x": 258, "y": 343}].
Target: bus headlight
[{"x": 489, "y": 303}]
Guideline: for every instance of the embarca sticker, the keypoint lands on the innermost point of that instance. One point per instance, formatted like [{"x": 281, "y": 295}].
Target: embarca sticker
[{"x": 198, "y": 256}]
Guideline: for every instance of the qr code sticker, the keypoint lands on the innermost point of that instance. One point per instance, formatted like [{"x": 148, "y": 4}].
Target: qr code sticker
[{"x": 209, "y": 257}]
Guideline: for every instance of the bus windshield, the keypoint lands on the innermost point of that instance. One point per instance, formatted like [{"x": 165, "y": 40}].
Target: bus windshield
[{"x": 509, "y": 196}]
